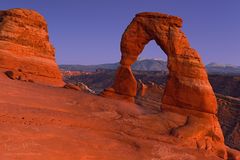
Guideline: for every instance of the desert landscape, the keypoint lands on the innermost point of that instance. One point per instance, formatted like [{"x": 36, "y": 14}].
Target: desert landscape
[{"x": 149, "y": 109}]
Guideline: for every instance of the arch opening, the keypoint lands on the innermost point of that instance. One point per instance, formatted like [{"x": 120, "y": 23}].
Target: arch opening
[
  {"x": 150, "y": 64},
  {"x": 153, "y": 52},
  {"x": 150, "y": 71},
  {"x": 187, "y": 84},
  {"x": 187, "y": 90}
]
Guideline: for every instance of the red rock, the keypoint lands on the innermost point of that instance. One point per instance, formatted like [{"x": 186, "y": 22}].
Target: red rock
[
  {"x": 187, "y": 92},
  {"x": 40, "y": 122},
  {"x": 125, "y": 85},
  {"x": 200, "y": 129},
  {"x": 25, "y": 49},
  {"x": 187, "y": 86},
  {"x": 44, "y": 122}
]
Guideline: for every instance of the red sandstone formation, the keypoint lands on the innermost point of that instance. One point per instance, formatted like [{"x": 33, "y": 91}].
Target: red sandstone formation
[
  {"x": 227, "y": 112},
  {"x": 188, "y": 90},
  {"x": 25, "y": 50},
  {"x": 187, "y": 85},
  {"x": 40, "y": 122}
]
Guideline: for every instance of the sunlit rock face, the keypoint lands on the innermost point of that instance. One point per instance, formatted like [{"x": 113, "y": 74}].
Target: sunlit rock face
[
  {"x": 25, "y": 51},
  {"x": 187, "y": 86},
  {"x": 188, "y": 91}
]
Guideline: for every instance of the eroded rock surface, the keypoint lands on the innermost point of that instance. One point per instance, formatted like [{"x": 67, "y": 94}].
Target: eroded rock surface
[
  {"x": 188, "y": 91},
  {"x": 25, "y": 51},
  {"x": 40, "y": 122},
  {"x": 187, "y": 86},
  {"x": 149, "y": 97},
  {"x": 151, "y": 94}
]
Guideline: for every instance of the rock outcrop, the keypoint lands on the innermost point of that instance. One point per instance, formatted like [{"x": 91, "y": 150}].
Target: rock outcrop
[
  {"x": 149, "y": 98},
  {"x": 79, "y": 87},
  {"x": 40, "y": 122},
  {"x": 228, "y": 114},
  {"x": 187, "y": 86},
  {"x": 188, "y": 91},
  {"x": 25, "y": 51}
]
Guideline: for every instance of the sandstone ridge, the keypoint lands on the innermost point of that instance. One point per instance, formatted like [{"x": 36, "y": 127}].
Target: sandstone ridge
[{"x": 25, "y": 50}]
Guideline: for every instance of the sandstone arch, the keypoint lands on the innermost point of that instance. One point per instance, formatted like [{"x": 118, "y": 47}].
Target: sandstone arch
[
  {"x": 188, "y": 90},
  {"x": 187, "y": 86}
]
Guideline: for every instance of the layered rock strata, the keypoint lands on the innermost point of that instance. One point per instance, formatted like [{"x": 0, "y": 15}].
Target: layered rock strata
[{"x": 25, "y": 50}]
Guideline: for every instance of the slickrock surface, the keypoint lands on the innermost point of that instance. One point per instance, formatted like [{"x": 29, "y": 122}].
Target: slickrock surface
[
  {"x": 25, "y": 51},
  {"x": 228, "y": 107},
  {"x": 39, "y": 122},
  {"x": 228, "y": 110}
]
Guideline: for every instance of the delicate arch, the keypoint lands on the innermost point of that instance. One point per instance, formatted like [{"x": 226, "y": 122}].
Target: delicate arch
[{"x": 187, "y": 85}]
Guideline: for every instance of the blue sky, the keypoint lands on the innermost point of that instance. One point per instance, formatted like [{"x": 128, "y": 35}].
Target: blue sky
[{"x": 89, "y": 31}]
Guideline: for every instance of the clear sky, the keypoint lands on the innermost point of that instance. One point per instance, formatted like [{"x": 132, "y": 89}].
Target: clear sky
[{"x": 89, "y": 31}]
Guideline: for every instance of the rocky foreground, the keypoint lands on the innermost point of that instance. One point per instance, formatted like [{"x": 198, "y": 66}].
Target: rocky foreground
[
  {"x": 39, "y": 122},
  {"x": 228, "y": 107},
  {"x": 44, "y": 122}
]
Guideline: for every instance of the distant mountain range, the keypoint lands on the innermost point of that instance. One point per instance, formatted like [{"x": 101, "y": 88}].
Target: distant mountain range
[
  {"x": 152, "y": 65},
  {"x": 215, "y": 68},
  {"x": 142, "y": 65}
]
